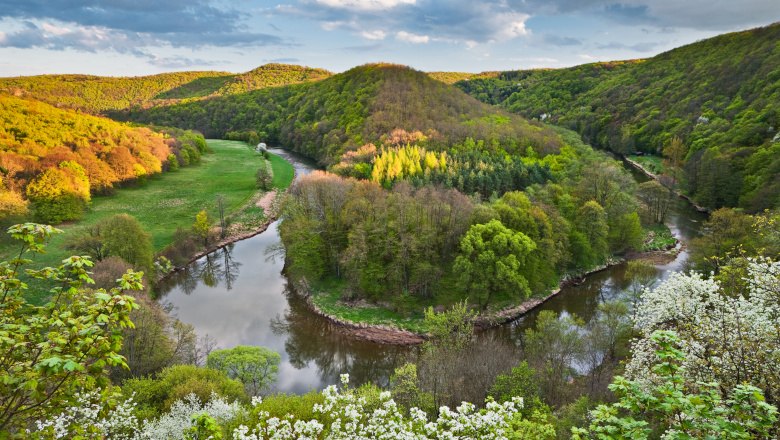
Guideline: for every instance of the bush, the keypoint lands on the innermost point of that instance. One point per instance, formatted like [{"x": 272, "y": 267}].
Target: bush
[{"x": 156, "y": 395}]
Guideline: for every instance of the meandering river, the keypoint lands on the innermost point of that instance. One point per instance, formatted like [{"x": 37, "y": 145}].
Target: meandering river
[{"x": 239, "y": 295}]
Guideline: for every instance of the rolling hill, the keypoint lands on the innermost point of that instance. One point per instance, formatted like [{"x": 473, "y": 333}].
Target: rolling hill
[
  {"x": 368, "y": 103},
  {"x": 720, "y": 96},
  {"x": 96, "y": 94}
]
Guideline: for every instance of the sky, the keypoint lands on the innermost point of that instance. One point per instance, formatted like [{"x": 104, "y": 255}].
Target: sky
[{"x": 140, "y": 37}]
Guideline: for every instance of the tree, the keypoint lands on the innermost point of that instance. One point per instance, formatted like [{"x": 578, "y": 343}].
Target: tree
[
  {"x": 491, "y": 262},
  {"x": 255, "y": 367},
  {"x": 202, "y": 226},
  {"x": 120, "y": 235},
  {"x": 592, "y": 222},
  {"x": 656, "y": 198},
  {"x": 552, "y": 347},
  {"x": 521, "y": 381},
  {"x": 675, "y": 153},
  {"x": 674, "y": 407},
  {"x": 265, "y": 177},
  {"x": 11, "y": 204},
  {"x": 59, "y": 194},
  {"x": 49, "y": 353}
]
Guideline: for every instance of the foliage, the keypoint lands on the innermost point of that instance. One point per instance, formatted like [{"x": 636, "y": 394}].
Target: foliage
[
  {"x": 325, "y": 119},
  {"x": 728, "y": 330},
  {"x": 718, "y": 97},
  {"x": 519, "y": 382},
  {"x": 673, "y": 407},
  {"x": 202, "y": 226},
  {"x": 155, "y": 394},
  {"x": 492, "y": 260},
  {"x": 59, "y": 193},
  {"x": 120, "y": 235},
  {"x": 265, "y": 177},
  {"x": 95, "y": 94},
  {"x": 451, "y": 329},
  {"x": 53, "y": 351},
  {"x": 255, "y": 367}
]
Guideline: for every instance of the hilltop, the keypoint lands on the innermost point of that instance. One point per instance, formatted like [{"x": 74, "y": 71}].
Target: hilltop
[
  {"x": 365, "y": 104},
  {"x": 99, "y": 94},
  {"x": 720, "y": 97}
]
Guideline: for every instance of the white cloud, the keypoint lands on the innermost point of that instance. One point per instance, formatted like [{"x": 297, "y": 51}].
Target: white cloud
[
  {"x": 511, "y": 25},
  {"x": 365, "y": 5},
  {"x": 374, "y": 35},
  {"x": 412, "y": 38}
]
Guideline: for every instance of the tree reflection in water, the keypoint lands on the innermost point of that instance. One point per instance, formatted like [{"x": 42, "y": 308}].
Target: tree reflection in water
[
  {"x": 312, "y": 338},
  {"x": 212, "y": 270}
]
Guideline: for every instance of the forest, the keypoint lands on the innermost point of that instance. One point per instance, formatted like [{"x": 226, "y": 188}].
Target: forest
[{"x": 719, "y": 96}]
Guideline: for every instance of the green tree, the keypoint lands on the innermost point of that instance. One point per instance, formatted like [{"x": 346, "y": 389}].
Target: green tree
[
  {"x": 59, "y": 194},
  {"x": 670, "y": 407},
  {"x": 521, "y": 381},
  {"x": 552, "y": 347},
  {"x": 51, "y": 352},
  {"x": 491, "y": 262},
  {"x": 202, "y": 226},
  {"x": 592, "y": 222},
  {"x": 255, "y": 367},
  {"x": 265, "y": 177},
  {"x": 123, "y": 236}
]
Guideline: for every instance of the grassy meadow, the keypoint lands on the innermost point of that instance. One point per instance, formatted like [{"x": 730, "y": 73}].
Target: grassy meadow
[{"x": 170, "y": 200}]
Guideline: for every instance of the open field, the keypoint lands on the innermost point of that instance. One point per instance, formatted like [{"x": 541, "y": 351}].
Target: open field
[{"x": 169, "y": 201}]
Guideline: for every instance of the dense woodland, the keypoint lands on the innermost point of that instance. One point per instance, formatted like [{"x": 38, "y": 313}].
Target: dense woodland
[
  {"x": 424, "y": 239},
  {"x": 719, "y": 96},
  {"x": 95, "y": 94}
]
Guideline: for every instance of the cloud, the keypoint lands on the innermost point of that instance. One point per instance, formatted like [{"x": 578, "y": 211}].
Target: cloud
[
  {"x": 364, "y": 48},
  {"x": 718, "y": 15},
  {"x": 365, "y": 5},
  {"x": 440, "y": 20},
  {"x": 177, "y": 23},
  {"x": 374, "y": 35},
  {"x": 412, "y": 38}
]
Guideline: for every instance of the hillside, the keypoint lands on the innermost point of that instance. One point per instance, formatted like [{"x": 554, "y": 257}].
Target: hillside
[
  {"x": 720, "y": 96},
  {"x": 453, "y": 77},
  {"x": 365, "y": 104},
  {"x": 96, "y": 94},
  {"x": 50, "y": 155}
]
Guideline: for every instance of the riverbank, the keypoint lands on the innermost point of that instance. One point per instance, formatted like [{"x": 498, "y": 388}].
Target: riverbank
[
  {"x": 392, "y": 334},
  {"x": 243, "y": 223},
  {"x": 638, "y": 166}
]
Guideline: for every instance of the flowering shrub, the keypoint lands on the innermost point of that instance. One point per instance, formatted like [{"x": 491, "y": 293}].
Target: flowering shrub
[
  {"x": 89, "y": 417},
  {"x": 179, "y": 419},
  {"x": 729, "y": 332},
  {"x": 346, "y": 419}
]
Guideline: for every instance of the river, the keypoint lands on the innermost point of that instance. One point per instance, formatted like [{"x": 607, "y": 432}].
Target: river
[{"x": 238, "y": 295}]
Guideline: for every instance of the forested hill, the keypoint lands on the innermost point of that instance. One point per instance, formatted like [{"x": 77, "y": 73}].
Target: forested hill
[
  {"x": 371, "y": 103},
  {"x": 720, "y": 96},
  {"x": 96, "y": 94},
  {"x": 54, "y": 158}
]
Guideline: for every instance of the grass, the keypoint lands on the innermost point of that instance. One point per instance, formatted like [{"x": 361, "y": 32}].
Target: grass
[
  {"x": 169, "y": 201},
  {"x": 327, "y": 296},
  {"x": 654, "y": 164},
  {"x": 658, "y": 237}
]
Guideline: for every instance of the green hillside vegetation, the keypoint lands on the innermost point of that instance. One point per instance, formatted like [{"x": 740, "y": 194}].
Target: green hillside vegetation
[
  {"x": 56, "y": 159},
  {"x": 720, "y": 96},
  {"x": 95, "y": 94},
  {"x": 453, "y": 77},
  {"x": 376, "y": 103}
]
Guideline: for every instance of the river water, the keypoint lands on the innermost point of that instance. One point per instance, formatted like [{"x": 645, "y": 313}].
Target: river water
[{"x": 238, "y": 295}]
